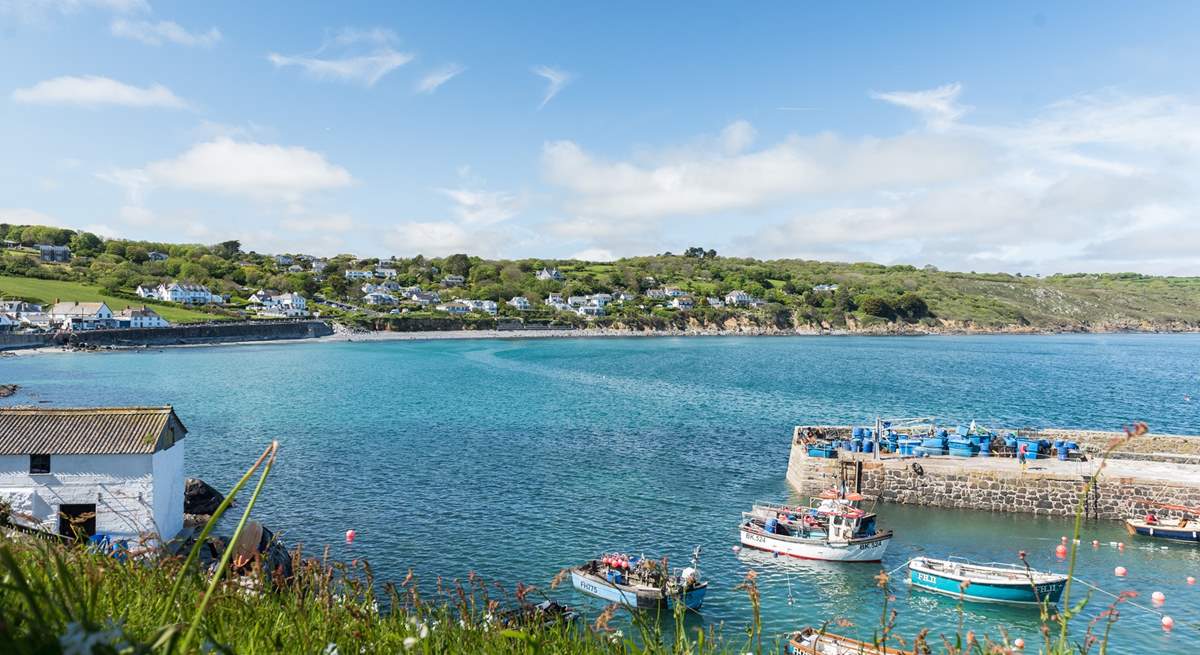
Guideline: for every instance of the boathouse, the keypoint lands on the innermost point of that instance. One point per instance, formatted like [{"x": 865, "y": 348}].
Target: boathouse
[{"x": 100, "y": 471}]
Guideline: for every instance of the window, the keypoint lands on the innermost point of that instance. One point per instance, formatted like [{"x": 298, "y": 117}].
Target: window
[{"x": 39, "y": 464}]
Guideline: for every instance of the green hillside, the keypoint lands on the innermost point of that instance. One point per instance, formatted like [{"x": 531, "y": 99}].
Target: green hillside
[
  {"x": 866, "y": 294},
  {"x": 47, "y": 291}
]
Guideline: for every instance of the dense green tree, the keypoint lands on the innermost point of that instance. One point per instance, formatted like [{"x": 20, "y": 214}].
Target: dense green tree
[
  {"x": 457, "y": 265},
  {"x": 85, "y": 244},
  {"x": 876, "y": 306},
  {"x": 912, "y": 306}
]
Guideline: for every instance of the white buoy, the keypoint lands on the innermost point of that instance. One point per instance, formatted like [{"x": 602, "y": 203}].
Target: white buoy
[
  {"x": 1120, "y": 571},
  {"x": 737, "y": 549},
  {"x": 1158, "y": 597},
  {"x": 1191, "y": 580},
  {"x": 1168, "y": 623},
  {"x": 1019, "y": 643}
]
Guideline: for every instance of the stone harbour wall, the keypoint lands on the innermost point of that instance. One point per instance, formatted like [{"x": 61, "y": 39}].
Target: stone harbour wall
[
  {"x": 997, "y": 485},
  {"x": 201, "y": 334}
]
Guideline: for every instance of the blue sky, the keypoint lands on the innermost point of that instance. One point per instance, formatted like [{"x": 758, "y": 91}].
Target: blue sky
[{"x": 973, "y": 136}]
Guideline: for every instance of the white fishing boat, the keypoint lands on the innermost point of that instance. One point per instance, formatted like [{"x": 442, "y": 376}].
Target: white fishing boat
[
  {"x": 641, "y": 583},
  {"x": 833, "y": 530},
  {"x": 810, "y": 641}
]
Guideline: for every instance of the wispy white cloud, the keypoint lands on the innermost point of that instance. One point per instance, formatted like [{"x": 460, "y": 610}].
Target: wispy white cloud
[
  {"x": 164, "y": 31},
  {"x": 938, "y": 106},
  {"x": 594, "y": 255},
  {"x": 483, "y": 207},
  {"x": 343, "y": 57},
  {"x": 239, "y": 168},
  {"x": 26, "y": 216},
  {"x": 556, "y": 79},
  {"x": 96, "y": 91},
  {"x": 437, "y": 77}
]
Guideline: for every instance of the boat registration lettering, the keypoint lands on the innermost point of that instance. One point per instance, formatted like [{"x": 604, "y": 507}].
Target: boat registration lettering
[
  {"x": 926, "y": 578},
  {"x": 589, "y": 587},
  {"x": 756, "y": 538}
]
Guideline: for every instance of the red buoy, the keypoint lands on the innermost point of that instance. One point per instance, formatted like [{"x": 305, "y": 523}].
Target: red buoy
[
  {"x": 1120, "y": 572},
  {"x": 350, "y": 535},
  {"x": 1061, "y": 551},
  {"x": 1168, "y": 623}
]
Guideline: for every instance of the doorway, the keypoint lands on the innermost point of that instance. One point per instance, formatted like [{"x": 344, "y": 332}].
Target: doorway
[{"x": 77, "y": 520}]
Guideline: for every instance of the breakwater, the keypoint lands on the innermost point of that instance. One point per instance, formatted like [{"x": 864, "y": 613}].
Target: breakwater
[
  {"x": 1141, "y": 472},
  {"x": 197, "y": 334}
]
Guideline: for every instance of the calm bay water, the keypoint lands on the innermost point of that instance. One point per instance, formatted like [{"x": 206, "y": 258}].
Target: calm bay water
[{"x": 516, "y": 458}]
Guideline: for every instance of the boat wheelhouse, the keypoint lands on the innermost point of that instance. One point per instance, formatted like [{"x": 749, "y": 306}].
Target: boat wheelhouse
[
  {"x": 833, "y": 528},
  {"x": 640, "y": 582},
  {"x": 986, "y": 583}
]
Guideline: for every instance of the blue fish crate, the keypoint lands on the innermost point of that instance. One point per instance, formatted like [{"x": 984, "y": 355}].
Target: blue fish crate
[
  {"x": 926, "y": 450},
  {"x": 827, "y": 452}
]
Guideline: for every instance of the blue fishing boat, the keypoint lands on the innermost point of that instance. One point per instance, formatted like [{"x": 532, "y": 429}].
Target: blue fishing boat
[
  {"x": 640, "y": 582},
  {"x": 986, "y": 583}
]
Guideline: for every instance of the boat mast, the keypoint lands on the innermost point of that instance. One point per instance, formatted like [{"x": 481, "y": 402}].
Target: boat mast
[{"x": 878, "y": 428}]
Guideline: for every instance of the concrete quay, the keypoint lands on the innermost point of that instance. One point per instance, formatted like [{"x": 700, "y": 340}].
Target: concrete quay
[{"x": 1154, "y": 470}]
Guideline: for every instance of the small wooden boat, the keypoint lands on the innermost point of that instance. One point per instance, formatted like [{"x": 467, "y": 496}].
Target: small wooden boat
[
  {"x": 810, "y": 641},
  {"x": 1185, "y": 528},
  {"x": 834, "y": 529},
  {"x": 641, "y": 583},
  {"x": 986, "y": 583},
  {"x": 544, "y": 614}
]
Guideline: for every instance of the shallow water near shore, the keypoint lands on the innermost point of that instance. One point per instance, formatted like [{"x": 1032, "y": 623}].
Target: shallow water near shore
[{"x": 516, "y": 458}]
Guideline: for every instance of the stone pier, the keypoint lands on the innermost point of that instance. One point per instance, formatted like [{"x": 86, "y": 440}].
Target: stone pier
[{"x": 1161, "y": 469}]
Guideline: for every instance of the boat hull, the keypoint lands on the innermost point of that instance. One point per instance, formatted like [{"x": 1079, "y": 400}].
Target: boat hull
[
  {"x": 1015, "y": 593},
  {"x": 860, "y": 550},
  {"x": 1190, "y": 534},
  {"x": 637, "y": 598}
]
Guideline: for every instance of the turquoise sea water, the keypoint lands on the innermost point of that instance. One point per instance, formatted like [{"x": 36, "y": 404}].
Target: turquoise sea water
[{"x": 514, "y": 459}]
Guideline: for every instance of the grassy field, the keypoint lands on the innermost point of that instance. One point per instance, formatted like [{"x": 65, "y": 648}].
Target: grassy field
[{"x": 47, "y": 291}]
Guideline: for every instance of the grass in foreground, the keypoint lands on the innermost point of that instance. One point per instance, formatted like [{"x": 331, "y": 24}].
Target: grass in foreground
[{"x": 47, "y": 291}]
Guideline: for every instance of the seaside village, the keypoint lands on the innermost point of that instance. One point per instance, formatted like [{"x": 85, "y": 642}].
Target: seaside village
[{"x": 380, "y": 294}]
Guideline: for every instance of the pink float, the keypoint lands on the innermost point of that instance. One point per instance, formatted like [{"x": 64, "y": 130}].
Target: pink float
[
  {"x": 350, "y": 535},
  {"x": 1168, "y": 623},
  {"x": 1120, "y": 571}
]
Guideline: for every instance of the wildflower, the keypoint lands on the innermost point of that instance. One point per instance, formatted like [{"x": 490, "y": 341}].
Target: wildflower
[
  {"x": 605, "y": 616},
  {"x": 559, "y": 577},
  {"x": 80, "y": 640},
  {"x": 330, "y": 649},
  {"x": 409, "y": 642},
  {"x": 882, "y": 579}
]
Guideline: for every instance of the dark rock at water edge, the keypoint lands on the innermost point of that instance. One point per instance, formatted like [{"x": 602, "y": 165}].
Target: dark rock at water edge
[
  {"x": 7, "y": 390},
  {"x": 200, "y": 498}
]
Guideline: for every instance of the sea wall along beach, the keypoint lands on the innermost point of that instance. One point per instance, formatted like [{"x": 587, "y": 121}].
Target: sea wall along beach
[{"x": 1158, "y": 470}]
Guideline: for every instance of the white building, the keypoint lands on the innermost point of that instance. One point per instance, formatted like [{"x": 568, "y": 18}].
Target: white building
[
  {"x": 286, "y": 305},
  {"x": 359, "y": 275},
  {"x": 521, "y": 303},
  {"x": 657, "y": 294},
  {"x": 550, "y": 274},
  {"x": 143, "y": 317},
  {"x": 554, "y": 299},
  {"x": 590, "y": 311},
  {"x": 738, "y": 298},
  {"x": 453, "y": 281},
  {"x": 383, "y": 272},
  {"x": 487, "y": 306},
  {"x": 422, "y": 298},
  {"x": 319, "y": 265},
  {"x": 118, "y": 471},
  {"x": 674, "y": 292},
  {"x": 715, "y": 302},
  {"x": 182, "y": 293},
  {"x": 295, "y": 268},
  {"x": 825, "y": 288},
  {"x": 81, "y": 316},
  {"x": 623, "y": 296},
  {"x": 379, "y": 298},
  {"x": 284, "y": 260},
  {"x": 683, "y": 302},
  {"x": 455, "y": 307}
]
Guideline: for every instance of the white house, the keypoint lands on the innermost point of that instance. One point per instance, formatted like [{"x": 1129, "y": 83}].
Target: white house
[
  {"x": 521, "y": 303},
  {"x": 359, "y": 275},
  {"x": 157, "y": 256},
  {"x": 623, "y": 296},
  {"x": 262, "y": 297},
  {"x": 319, "y": 265},
  {"x": 455, "y": 307},
  {"x": 8, "y": 323},
  {"x": 115, "y": 471},
  {"x": 379, "y": 298},
  {"x": 422, "y": 298},
  {"x": 295, "y": 268},
  {"x": 80, "y": 316},
  {"x": 554, "y": 299},
  {"x": 657, "y": 294},
  {"x": 184, "y": 294},
  {"x": 825, "y": 288},
  {"x": 143, "y": 317},
  {"x": 738, "y": 298},
  {"x": 487, "y": 306},
  {"x": 550, "y": 274},
  {"x": 715, "y": 302},
  {"x": 286, "y": 305},
  {"x": 577, "y": 301},
  {"x": 284, "y": 260},
  {"x": 453, "y": 281},
  {"x": 591, "y": 311},
  {"x": 674, "y": 292},
  {"x": 683, "y": 302},
  {"x": 384, "y": 272}
]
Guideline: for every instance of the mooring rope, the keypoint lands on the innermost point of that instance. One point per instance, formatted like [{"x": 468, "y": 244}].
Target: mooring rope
[
  {"x": 893, "y": 571},
  {"x": 1127, "y": 601}
]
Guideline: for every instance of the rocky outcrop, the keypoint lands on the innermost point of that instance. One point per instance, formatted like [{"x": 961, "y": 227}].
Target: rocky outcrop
[
  {"x": 200, "y": 498},
  {"x": 7, "y": 390}
]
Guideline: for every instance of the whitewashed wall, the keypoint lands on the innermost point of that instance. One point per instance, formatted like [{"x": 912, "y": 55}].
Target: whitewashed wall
[{"x": 124, "y": 489}]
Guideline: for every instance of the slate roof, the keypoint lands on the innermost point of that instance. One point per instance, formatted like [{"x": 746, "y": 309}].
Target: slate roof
[{"x": 88, "y": 430}]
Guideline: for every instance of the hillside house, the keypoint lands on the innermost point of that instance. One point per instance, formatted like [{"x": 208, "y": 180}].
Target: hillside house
[
  {"x": 286, "y": 305},
  {"x": 656, "y": 294},
  {"x": 143, "y": 317},
  {"x": 157, "y": 256},
  {"x": 385, "y": 273},
  {"x": 454, "y": 307},
  {"x": 379, "y": 298},
  {"x": 116, "y": 472},
  {"x": 738, "y": 298},
  {"x": 182, "y": 293},
  {"x": 683, "y": 302},
  {"x": 51, "y": 253},
  {"x": 555, "y": 299},
  {"x": 81, "y": 316},
  {"x": 715, "y": 302},
  {"x": 825, "y": 288},
  {"x": 359, "y": 275},
  {"x": 520, "y": 303},
  {"x": 453, "y": 281},
  {"x": 295, "y": 268},
  {"x": 550, "y": 274},
  {"x": 284, "y": 260},
  {"x": 674, "y": 292},
  {"x": 319, "y": 265}
]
